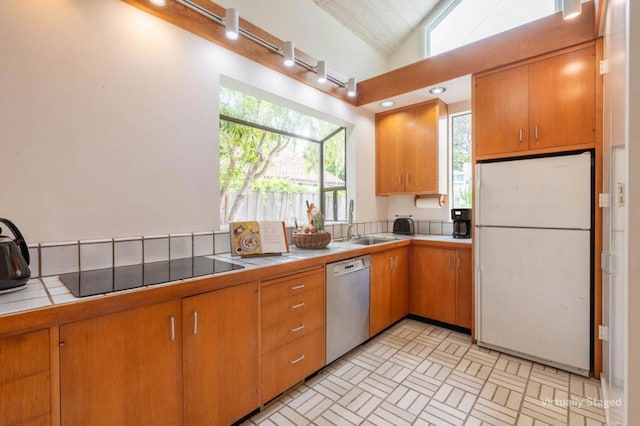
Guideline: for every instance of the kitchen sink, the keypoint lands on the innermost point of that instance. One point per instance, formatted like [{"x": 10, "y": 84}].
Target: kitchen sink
[{"x": 369, "y": 241}]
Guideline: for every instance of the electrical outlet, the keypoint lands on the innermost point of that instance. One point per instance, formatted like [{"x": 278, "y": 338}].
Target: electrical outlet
[
  {"x": 603, "y": 332},
  {"x": 603, "y": 200},
  {"x": 620, "y": 194}
]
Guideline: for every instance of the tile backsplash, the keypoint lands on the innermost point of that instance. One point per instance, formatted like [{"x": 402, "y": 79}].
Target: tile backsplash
[{"x": 58, "y": 258}]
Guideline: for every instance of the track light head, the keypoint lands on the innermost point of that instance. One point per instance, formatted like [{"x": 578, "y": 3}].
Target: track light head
[
  {"x": 289, "y": 54},
  {"x": 571, "y": 9},
  {"x": 352, "y": 87},
  {"x": 231, "y": 24},
  {"x": 322, "y": 71}
]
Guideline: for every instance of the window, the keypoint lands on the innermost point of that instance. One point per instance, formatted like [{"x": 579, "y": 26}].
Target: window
[
  {"x": 273, "y": 159},
  {"x": 461, "y": 159},
  {"x": 461, "y": 22}
]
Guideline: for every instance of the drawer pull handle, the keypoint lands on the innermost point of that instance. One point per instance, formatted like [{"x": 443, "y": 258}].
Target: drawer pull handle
[
  {"x": 297, "y": 287},
  {"x": 172, "y": 320},
  {"x": 297, "y": 360},
  {"x": 298, "y": 306},
  {"x": 296, "y": 329}
]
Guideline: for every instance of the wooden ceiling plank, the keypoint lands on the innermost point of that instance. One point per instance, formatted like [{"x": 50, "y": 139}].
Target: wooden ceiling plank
[{"x": 533, "y": 39}]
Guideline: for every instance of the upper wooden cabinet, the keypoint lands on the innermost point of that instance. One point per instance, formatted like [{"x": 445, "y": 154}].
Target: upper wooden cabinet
[
  {"x": 25, "y": 397},
  {"x": 538, "y": 106},
  {"x": 411, "y": 150}
]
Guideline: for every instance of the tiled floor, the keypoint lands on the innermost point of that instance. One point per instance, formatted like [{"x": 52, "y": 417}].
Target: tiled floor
[{"x": 420, "y": 374}]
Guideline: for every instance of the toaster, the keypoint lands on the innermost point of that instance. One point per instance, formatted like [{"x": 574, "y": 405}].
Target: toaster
[{"x": 404, "y": 226}]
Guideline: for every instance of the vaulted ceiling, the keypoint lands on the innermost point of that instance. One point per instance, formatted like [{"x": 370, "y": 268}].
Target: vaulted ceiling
[{"x": 382, "y": 24}]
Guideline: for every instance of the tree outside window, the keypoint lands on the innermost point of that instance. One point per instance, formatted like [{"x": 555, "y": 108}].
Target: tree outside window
[
  {"x": 461, "y": 159},
  {"x": 274, "y": 159}
]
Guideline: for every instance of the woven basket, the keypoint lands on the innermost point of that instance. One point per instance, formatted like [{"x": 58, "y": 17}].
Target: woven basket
[{"x": 316, "y": 240}]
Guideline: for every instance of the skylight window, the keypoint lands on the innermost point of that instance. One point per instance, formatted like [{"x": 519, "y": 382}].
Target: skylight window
[{"x": 461, "y": 22}]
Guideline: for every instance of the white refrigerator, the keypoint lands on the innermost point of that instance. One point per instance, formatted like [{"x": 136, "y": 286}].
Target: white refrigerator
[{"x": 533, "y": 259}]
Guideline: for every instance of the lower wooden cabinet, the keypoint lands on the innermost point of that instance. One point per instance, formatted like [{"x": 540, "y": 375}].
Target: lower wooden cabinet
[
  {"x": 123, "y": 369},
  {"x": 440, "y": 285},
  {"x": 220, "y": 359},
  {"x": 292, "y": 329},
  {"x": 389, "y": 288},
  {"x": 25, "y": 387}
]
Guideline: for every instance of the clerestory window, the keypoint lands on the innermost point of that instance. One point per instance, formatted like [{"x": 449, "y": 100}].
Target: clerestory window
[{"x": 460, "y": 22}]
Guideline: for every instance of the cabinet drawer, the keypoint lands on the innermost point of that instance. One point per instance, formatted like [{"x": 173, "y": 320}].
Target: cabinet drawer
[
  {"x": 289, "y": 364},
  {"x": 291, "y": 285},
  {"x": 280, "y": 310},
  {"x": 291, "y": 328}
]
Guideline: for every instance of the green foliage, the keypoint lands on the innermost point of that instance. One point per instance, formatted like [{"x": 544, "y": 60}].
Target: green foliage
[
  {"x": 247, "y": 152},
  {"x": 465, "y": 197},
  {"x": 461, "y": 141},
  {"x": 277, "y": 185}
]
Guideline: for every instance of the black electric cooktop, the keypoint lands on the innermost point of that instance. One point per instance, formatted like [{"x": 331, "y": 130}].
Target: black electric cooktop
[{"x": 99, "y": 281}]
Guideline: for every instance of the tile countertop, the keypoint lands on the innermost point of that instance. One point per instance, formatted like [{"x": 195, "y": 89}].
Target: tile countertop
[{"x": 50, "y": 291}]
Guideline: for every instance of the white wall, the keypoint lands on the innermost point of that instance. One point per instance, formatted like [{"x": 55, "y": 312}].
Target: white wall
[
  {"x": 622, "y": 51},
  {"x": 108, "y": 122},
  {"x": 315, "y": 32},
  {"x": 633, "y": 179}
]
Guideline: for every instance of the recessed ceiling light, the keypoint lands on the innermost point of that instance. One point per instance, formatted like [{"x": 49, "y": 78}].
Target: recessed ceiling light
[
  {"x": 159, "y": 2},
  {"x": 437, "y": 90},
  {"x": 387, "y": 104}
]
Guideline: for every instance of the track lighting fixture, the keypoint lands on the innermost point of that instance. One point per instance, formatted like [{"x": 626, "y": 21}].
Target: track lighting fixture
[
  {"x": 289, "y": 54},
  {"x": 352, "y": 87},
  {"x": 571, "y": 8},
  {"x": 322, "y": 71},
  {"x": 231, "y": 24}
]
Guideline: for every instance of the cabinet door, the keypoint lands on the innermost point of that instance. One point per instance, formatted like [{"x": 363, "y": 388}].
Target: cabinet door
[
  {"x": 465, "y": 294},
  {"x": 24, "y": 379},
  {"x": 380, "y": 293},
  {"x": 123, "y": 368},
  {"x": 221, "y": 356},
  {"x": 421, "y": 150},
  {"x": 501, "y": 112},
  {"x": 399, "y": 283},
  {"x": 562, "y": 100},
  {"x": 390, "y": 139},
  {"x": 433, "y": 283}
]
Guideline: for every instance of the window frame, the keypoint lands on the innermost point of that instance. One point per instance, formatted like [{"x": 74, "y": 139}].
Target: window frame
[
  {"x": 452, "y": 118},
  {"x": 322, "y": 189}
]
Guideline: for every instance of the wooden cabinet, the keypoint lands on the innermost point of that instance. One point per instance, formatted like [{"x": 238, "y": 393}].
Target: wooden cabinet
[
  {"x": 440, "y": 285},
  {"x": 389, "y": 291},
  {"x": 540, "y": 105},
  {"x": 124, "y": 368},
  {"x": 292, "y": 330},
  {"x": 411, "y": 150},
  {"x": 220, "y": 359},
  {"x": 25, "y": 387}
]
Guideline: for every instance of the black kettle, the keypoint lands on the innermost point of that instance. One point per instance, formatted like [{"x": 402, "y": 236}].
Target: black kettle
[{"x": 14, "y": 258}]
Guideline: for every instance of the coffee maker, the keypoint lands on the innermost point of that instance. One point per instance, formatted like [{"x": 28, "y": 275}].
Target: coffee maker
[{"x": 461, "y": 223}]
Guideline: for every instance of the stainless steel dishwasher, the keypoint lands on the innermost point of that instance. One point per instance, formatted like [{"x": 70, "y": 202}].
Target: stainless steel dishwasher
[{"x": 347, "y": 305}]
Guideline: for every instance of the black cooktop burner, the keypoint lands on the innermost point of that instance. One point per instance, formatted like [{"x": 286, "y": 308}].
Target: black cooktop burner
[{"x": 99, "y": 281}]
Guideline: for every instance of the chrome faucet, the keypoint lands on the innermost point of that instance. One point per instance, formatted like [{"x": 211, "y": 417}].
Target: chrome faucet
[{"x": 350, "y": 226}]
